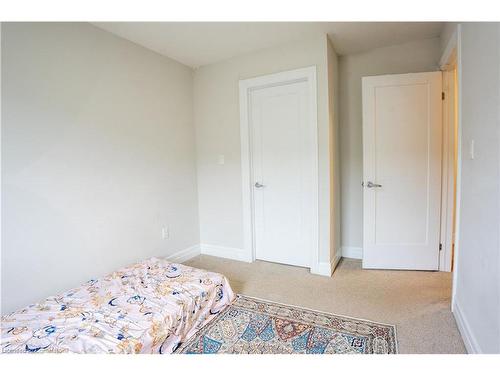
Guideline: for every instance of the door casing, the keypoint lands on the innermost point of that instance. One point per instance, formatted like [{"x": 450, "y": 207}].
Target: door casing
[
  {"x": 453, "y": 55},
  {"x": 448, "y": 193}
]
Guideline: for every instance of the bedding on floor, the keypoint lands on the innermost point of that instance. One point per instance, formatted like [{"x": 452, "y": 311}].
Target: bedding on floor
[{"x": 148, "y": 307}]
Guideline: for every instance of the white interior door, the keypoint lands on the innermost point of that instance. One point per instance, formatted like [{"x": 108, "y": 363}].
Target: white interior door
[
  {"x": 402, "y": 131},
  {"x": 282, "y": 172}
]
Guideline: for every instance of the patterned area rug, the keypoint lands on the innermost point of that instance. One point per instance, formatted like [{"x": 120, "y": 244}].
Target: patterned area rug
[{"x": 253, "y": 326}]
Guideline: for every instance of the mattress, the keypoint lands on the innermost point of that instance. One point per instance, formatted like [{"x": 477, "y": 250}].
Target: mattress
[{"x": 148, "y": 307}]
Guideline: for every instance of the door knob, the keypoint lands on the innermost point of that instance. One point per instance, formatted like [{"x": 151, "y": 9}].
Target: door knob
[
  {"x": 258, "y": 185},
  {"x": 372, "y": 185}
]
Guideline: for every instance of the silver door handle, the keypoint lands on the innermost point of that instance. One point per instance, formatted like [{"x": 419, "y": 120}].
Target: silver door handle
[
  {"x": 258, "y": 185},
  {"x": 372, "y": 185}
]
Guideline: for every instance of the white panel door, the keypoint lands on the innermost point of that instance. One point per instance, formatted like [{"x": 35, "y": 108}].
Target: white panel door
[
  {"x": 282, "y": 166},
  {"x": 402, "y": 131}
]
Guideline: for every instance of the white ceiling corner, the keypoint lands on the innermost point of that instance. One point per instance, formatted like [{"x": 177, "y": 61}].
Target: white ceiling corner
[{"x": 201, "y": 43}]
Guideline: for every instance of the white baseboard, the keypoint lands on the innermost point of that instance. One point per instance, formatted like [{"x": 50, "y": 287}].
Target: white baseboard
[
  {"x": 184, "y": 255},
  {"x": 226, "y": 252},
  {"x": 470, "y": 341},
  {"x": 326, "y": 268},
  {"x": 323, "y": 269},
  {"x": 352, "y": 252}
]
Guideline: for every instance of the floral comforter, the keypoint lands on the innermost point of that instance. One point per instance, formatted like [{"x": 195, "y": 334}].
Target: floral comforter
[{"x": 148, "y": 307}]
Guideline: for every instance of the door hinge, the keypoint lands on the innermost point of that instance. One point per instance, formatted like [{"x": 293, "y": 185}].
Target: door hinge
[
  {"x": 442, "y": 95},
  {"x": 440, "y": 246}
]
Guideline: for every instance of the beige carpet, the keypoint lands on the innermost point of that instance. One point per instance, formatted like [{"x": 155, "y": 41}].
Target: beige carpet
[{"x": 418, "y": 303}]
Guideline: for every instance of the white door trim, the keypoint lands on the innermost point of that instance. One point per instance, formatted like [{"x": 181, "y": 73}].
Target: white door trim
[
  {"x": 308, "y": 75},
  {"x": 448, "y": 167},
  {"x": 454, "y": 50},
  {"x": 448, "y": 59}
]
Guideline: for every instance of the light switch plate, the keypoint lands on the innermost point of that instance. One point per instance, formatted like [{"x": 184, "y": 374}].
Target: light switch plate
[{"x": 165, "y": 233}]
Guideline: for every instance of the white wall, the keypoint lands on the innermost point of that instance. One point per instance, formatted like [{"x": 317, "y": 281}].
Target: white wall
[
  {"x": 97, "y": 154},
  {"x": 418, "y": 56},
  {"x": 217, "y": 133},
  {"x": 477, "y": 288}
]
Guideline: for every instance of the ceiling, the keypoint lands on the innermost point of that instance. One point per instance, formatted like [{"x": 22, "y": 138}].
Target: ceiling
[{"x": 201, "y": 43}]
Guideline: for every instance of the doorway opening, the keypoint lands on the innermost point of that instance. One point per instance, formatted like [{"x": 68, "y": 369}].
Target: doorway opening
[{"x": 426, "y": 215}]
